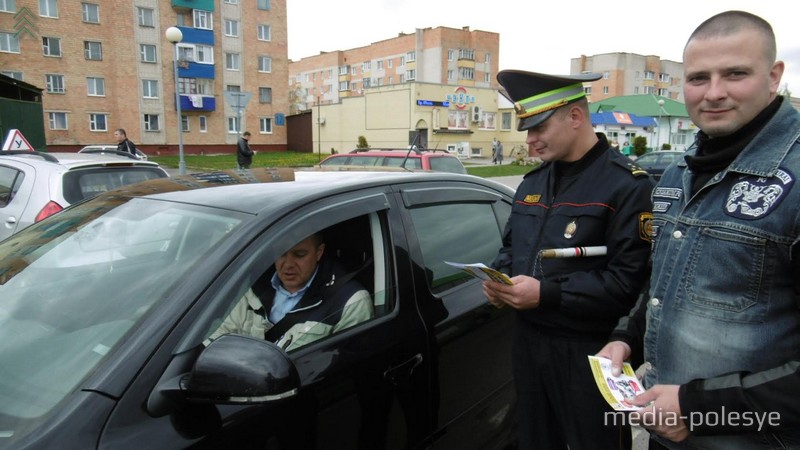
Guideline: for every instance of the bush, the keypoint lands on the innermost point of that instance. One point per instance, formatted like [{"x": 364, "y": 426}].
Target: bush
[
  {"x": 362, "y": 142},
  {"x": 639, "y": 145},
  {"x": 666, "y": 146}
]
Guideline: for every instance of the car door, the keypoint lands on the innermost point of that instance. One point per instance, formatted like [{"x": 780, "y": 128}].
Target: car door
[
  {"x": 361, "y": 387},
  {"x": 472, "y": 376},
  {"x": 16, "y": 187}
]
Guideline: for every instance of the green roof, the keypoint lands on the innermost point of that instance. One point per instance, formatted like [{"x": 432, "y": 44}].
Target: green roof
[{"x": 641, "y": 105}]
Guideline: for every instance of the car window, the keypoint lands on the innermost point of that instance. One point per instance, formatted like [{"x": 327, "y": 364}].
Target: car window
[
  {"x": 458, "y": 232},
  {"x": 668, "y": 158},
  {"x": 398, "y": 161},
  {"x": 446, "y": 164},
  {"x": 357, "y": 246},
  {"x": 649, "y": 158},
  {"x": 72, "y": 287},
  {"x": 81, "y": 184},
  {"x": 10, "y": 181}
]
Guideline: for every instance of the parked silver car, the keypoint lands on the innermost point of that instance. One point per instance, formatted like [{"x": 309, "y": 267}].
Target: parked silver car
[
  {"x": 111, "y": 150},
  {"x": 34, "y": 185}
]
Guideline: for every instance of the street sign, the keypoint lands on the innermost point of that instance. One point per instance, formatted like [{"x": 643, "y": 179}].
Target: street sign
[
  {"x": 238, "y": 100},
  {"x": 16, "y": 141}
]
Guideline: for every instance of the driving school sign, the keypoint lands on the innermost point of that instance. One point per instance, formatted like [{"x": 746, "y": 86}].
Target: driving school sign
[{"x": 460, "y": 98}]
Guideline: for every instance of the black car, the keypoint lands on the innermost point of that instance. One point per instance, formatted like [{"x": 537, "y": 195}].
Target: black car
[
  {"x": 106, "y": 307},
  {"x": 655, "y": 163}
]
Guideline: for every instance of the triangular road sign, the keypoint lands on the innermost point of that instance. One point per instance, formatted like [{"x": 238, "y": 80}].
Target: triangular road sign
[{"x": 16, "y": 141}]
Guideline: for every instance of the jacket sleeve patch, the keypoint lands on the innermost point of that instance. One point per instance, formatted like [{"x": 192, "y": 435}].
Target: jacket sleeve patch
[{"x": 646, "y": 226}]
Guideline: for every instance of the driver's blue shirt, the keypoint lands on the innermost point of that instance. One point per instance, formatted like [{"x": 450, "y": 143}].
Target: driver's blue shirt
[{"x": 284, "y": 300}]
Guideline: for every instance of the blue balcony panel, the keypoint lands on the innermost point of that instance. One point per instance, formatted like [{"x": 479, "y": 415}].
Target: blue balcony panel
[
  {"x": 197, "y": 36},
  {"x": 188, "y": 69},
  {"x": 191, "y": 103}
]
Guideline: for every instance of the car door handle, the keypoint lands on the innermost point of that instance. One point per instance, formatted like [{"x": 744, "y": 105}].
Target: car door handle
[
  {"x": 11, "y": 220},
  {"x": 403, "y": 371}
]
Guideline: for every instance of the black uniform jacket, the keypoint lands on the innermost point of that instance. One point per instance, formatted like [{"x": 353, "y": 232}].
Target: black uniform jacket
[{"x": 601, "y": 200}]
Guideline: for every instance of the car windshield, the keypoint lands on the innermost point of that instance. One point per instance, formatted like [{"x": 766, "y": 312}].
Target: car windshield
[
  {"x": 81, "y": 184},
  {"x": 73, "y": 286}
]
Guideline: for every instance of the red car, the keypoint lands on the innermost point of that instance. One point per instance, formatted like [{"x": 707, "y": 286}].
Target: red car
[{"x": 436, "y": 160}]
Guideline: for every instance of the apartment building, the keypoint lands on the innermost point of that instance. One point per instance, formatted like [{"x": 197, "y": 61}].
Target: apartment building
[
  {"x": 441, "y": 55},
  {"x": 108, "y": 64},
  {"x": 630, "y": 74}
]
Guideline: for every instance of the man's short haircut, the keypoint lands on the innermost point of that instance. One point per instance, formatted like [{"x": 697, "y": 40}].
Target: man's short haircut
[
  {"x": 246, "y": 133},
  {"x": 730, "y": 22},
  {"x": 122, "y": 132}
]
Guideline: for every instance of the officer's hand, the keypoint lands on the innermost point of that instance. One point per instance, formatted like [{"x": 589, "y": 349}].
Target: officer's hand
[
  {"x": 523, "y": 294},
  {"x": 616, "y": 351}
]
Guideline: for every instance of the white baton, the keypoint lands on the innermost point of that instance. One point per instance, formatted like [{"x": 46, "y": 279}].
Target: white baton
[{"x": 573, "y": 252}]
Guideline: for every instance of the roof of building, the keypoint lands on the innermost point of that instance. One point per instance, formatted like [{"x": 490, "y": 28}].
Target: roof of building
[
  {"x": 641, "y": 105},
  {"x": 621, "y": 118}
]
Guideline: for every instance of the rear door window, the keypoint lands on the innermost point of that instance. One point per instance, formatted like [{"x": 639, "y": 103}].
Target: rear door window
[
  {"x": 447, "y": 164},
  {"x": 10, "y": 181}
]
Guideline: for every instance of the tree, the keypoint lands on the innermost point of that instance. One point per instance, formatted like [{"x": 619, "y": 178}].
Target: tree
[
  {"x": 639, "y": 145},
  {"x": 362, "y": 142}
]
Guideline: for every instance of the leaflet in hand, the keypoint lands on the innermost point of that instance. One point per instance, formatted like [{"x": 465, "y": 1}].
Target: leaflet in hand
[
  {"x": 616, "y": 390},
  {"x": 480, "y": 270}
]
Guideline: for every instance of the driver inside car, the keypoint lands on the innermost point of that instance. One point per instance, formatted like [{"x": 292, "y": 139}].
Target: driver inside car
[{"x": 308, "y": 295}]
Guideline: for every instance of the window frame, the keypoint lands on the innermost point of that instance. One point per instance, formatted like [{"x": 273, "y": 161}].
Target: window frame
[
  {"x": 53, "y": 79},
  {"x": 98, "y": 81},
  {"x": 264, "y": 32},
  {"x": 93, "y": 122},
  {"x": 143, "y": 53},
  {"x": 148, "y": 86},
  {"x": 142, "y": 17},
  {"x": 85, "y": 12},
  {"x": 89, "y": 51},
  {"x": 46, "y": 8},
  {"x": 52, "y": 120},
  {"x": 47, "y": 47}
]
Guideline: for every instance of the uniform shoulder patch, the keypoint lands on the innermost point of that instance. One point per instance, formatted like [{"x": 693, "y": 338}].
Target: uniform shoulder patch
[{"x": 636, "y": 171}]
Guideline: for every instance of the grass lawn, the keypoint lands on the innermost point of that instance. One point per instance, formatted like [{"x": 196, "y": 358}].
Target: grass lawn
[{"x": 202, "y": 163}]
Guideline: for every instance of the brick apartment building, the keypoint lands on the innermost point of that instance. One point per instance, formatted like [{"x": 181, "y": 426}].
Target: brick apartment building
[
  {"x": 630, "y": 74},
  {"x": 441, "y": 55},
  {"x": 106, "y": 65}
]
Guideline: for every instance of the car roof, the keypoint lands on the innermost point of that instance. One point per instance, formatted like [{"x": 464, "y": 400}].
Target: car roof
[
  {"x": 74, "y": 160},
  {"x": 263, "y": 190},
  {"x": 398, "y": 152}
]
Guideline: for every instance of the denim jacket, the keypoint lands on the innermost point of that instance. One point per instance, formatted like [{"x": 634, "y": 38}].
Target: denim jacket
[{"x": 723, "y": 314}]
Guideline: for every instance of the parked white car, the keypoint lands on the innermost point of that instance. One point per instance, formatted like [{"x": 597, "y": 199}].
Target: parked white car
[{"x": 110, "y": 150}]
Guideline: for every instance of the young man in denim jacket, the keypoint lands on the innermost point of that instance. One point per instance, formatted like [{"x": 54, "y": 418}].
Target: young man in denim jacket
[{"x": 722, "y": 335}]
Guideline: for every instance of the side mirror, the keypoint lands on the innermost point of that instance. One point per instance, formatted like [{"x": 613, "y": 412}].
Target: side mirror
[{"x": 240, "y": 370}]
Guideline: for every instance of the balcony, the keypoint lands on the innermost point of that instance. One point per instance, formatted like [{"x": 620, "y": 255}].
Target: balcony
[
  {"x": 205, "y": 5},
  {"x": 198, "y": 103}
]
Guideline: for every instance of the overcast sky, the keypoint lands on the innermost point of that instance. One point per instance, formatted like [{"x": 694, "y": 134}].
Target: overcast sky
[{"x": 536, "y": 35}]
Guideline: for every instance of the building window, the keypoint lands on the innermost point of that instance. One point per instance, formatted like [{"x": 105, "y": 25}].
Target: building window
[
  {"x": 379, "y": 64},
  {"x": 147, "y": 53},
  {"x": 450, "y": 75},
  {"x": 487, "y": 58},
  {"x": 264, "y": 32},
  {"x": 151, "y": 122},
  {"x": 233, "y": 125},
  {"x": 353, "y": 70},
  {"x": 91, "y": 12},
  {"x": 457, "y": 119},
  {"x": 488, "y": 121},
  {"x": 51, "y": 46},
  {"x": 402, "y": 60},
  {"x": 150, "y": 88},
  {"x": 411, "y": 56},
  {"x": 231, "y": 2},
  {"x": 48, "y": 8},
  {"x": 204, "y": 54},
  {"x": 9, "y": 43},
  {"x": 344, "y": 86},
  {"x": 146, "y": 17},
  {"x": 487, "y": 77},
  {"x": 98, "y": 122},
  {"x": 663, "y": 92},
  {"x": 233, "y": 88},
  {"x": 505, "y": 121},
  {"x": 8, "y": 6},
  {"x": 648, "y": 75},
  {"x": 264, "y": 4},
  {"x": 187, "y": 85},
  {"x": 606, "y": 75},
  {"x": 466, "y": 53},
  {"x": 265, "y": 125},
  {"x": 54, "y": 83},
  {"x": 451, "y": 55},
  {"x": 366, "y": 82},
  {"x": 96, "y": 87},
  {"x": 264, "y": 64},
  {"x": 185, "y": 123},
  {"x": 203, "y": 20},
  {"x": 587, "y": 90},
  {"x": 366, "y": 65},
  {"x": 57, "y": 120},
  {"x": 466, "y": 73},
  {"x": 12, "y": 74},
  {"x": 93, "y": 50},
  {"x": 390, "y": 62},
  {"x": 411, "y": 75},
  {"x": 605, "y": 90},
  {"x": 202, "y": 122},
  {"x": 265, "y": 95},
  {"x": 343, "y": 70},
  {"x": 232, "y": 61},
  {"x": 231, "y": 28},
  {"x": 664, "y": 78}
]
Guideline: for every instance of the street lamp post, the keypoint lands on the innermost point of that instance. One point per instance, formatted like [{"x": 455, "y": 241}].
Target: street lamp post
[
  {"x": 660, "y": 111},
  {"x": 174, "y": 35},
  {"x": 319, "y": 130}
]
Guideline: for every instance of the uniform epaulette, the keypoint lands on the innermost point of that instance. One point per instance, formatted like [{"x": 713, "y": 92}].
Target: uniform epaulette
[{"x": 635, "y": 170}]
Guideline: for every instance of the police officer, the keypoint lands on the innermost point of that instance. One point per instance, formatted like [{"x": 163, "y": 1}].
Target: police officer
[{"x": 583, "y": 195}]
